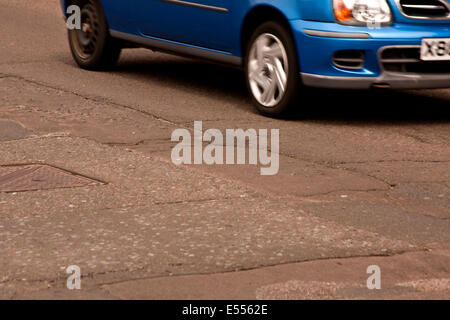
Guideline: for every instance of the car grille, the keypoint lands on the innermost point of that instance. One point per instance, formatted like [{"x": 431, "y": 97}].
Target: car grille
[
  {"x": 425, "y": 9},
  {"x": 407, "y": 60}
]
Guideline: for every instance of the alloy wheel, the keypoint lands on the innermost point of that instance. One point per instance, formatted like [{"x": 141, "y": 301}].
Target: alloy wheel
[{"x": 268, "y": 70}]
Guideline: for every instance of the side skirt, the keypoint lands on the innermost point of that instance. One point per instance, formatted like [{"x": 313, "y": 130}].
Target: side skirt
[{"x": 179, "y": 48}]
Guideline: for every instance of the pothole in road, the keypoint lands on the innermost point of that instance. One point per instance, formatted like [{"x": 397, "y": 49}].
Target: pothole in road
[{"x": 33, "y": 177}]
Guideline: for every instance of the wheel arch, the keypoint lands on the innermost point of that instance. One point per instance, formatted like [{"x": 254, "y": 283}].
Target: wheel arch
[
  {"x": 66, "y": 3},
  {"x": 258, "y": 15}
]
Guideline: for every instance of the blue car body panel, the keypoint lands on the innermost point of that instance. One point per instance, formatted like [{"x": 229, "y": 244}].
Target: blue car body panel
[
  {"x": 169, "y": 21},
  {"x": 220, "y": 30}
]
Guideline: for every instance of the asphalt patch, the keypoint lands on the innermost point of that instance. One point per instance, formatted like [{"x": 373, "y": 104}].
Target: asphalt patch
[{"x": 10, "y": 130}]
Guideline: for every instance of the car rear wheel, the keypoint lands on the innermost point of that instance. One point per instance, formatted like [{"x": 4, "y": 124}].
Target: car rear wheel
[
  {"x": 92, "y": 46},
  {"x": 272, "y": 70}
]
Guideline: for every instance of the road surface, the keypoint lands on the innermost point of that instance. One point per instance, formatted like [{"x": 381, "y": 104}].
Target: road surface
[{"x": 364, "y": 180}]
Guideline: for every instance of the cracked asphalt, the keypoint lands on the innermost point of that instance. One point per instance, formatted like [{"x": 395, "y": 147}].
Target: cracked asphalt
[{"x": 364, "y": 180}]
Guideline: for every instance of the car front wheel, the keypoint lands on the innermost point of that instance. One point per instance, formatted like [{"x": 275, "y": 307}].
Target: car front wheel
[{"x": 272, "y": 70}]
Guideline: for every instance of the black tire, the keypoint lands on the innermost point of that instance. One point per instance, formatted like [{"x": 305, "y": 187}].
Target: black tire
[
  {"x": 96, "y": 49},
  {"x": 293, "y": 85}
]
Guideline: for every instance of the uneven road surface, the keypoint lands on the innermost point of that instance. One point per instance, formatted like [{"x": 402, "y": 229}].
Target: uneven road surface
[{"x": 364, "y": 180}]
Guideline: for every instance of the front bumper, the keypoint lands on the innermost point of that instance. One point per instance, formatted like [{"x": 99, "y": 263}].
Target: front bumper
[
  {"x": 317, "y": 42},
  {"x": 386, "y": 79}
]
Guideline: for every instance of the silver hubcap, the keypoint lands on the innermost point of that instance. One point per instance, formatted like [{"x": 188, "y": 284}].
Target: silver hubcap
[{"x": 268, "y": 70}]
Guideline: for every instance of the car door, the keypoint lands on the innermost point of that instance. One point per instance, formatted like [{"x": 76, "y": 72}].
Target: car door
[{"x": 204, "y": 23}]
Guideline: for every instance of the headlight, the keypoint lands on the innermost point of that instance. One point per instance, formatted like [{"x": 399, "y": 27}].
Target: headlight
[{"x": 362, "y": 12}]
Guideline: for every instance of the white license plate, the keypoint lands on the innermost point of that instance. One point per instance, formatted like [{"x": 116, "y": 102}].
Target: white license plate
[{"x": 435, "y": 49}]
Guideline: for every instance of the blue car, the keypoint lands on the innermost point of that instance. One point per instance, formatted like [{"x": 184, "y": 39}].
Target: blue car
[{"x": 283, "y": 45}]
